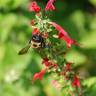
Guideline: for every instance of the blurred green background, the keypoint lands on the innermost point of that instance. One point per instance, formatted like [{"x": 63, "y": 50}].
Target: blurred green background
[{"x": 78, "y": 17}]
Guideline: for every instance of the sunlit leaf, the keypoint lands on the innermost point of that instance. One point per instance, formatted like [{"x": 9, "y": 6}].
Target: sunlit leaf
[
  {"x": 93, "y": 2},
  {"x": 88, "y": 40},
  {"x": 76, "y": 57}
]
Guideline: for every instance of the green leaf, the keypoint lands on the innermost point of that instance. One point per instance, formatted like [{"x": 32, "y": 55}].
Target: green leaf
[
  {"x": 3, "y": 3},
  {"x": 90, "y": 81},
  {"x": 6, "y": 25},
  {"x": 88, "y": 40},
  {"x": 75, "y": 57},
  {"x": 18, "y": 3},
  {"x": 91, "y": 86},
  {"x": 93, "y": 2}
]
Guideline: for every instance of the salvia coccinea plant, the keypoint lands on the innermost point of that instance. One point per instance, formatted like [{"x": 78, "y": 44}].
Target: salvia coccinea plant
[{"x": 47, "y": 40}]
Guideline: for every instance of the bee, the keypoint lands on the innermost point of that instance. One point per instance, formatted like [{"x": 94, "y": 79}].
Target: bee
[{"x": 36, "y": 42}]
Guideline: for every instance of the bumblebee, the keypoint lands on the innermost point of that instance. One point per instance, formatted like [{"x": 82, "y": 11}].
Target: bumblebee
[{"x": 36, "y": 42}]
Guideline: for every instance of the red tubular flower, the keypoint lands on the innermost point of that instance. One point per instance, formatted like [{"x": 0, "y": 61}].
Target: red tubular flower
[
  {"x": 39, "y": 75},
  {"x": 35, "y": 31},
  {"x": 46, "y": 62},
  {"x": 68, "y": 40},
  {"x": 76, "y": 82},
  {"x": 33, "y": 7},
  {"x": 64, "y": 35},
  {"x": 55, "y": 66},
  {"x": 59, "y": 28},
  {"x": 50, "y": 5},
  {"x": 68, "y": 66}
]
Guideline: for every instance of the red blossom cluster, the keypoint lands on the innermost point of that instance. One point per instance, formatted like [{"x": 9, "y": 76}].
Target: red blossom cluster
[
  {"x": 33, "y": 6},
  {"x": 65, "y": 70},
  {"x": 46, "y": 62},
  {"x": 49, "y": 63},
  {"x": 68, "y": 69}
]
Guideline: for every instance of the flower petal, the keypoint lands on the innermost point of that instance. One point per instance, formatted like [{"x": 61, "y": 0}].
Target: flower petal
[
  {"x": 35, "y": 31},
  {"x": 68, "y": 66},
  {"x": 39, "y": 75},
  {"x": 33, "y": 7},
  {"x": 50, "y": 5},
  {"x": 46, "y": 62},
  {"x": 76, "y": 82},
  {"x": 59, "y": 28}
]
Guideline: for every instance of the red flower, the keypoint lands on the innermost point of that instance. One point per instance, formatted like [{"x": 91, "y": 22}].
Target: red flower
[
  {"x": 46, "y": 62},
  {"x": 35, "y": 31},
  {"x": 76, "y": 82},
  {"x": 64, "y": 35},
  {"x": 69, "y": 41},
  {"x": 68, "y": 66},
  {"x": 50, "y": 5},
  {"x": 59, "y": 28},
  {"x": 55, "y": 66},
  {"x": 34, "y": 7},
  {"x": 39, "y": 75}
]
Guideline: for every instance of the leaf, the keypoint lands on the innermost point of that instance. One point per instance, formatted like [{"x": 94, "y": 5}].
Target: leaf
[
  {"x": 3, "y": 3},
  {"x": 6, "y": 25},
  {"x": 88, "y": 40},
  {"x": 18, "y": 3},
  {"x": 75, "y": 57},
  {"x": 91, "y": 86},
  {"x": 93, "y": 23},
  {"x": 90, "y": 81},
  {"x": 2, "y": 52},
  {"x": 93, "y": 2}
]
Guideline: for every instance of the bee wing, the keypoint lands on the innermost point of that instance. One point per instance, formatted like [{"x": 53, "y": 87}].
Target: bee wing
[{"x": 24, "y": 50}]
